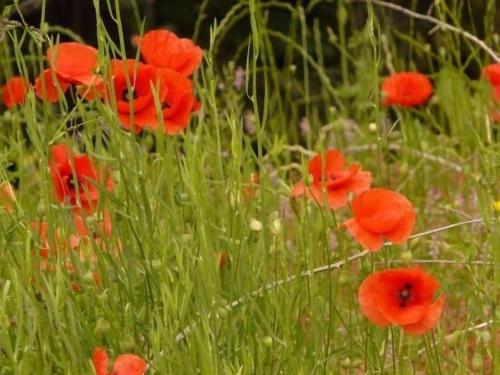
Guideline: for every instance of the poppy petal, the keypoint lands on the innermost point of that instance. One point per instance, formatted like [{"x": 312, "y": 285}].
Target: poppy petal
[
  {"x": 14, "y": 91},
  {"x": 129, "y": 364},
  {"x": 359, "y": 183},
  {"x": 380, "y": 210},
  {"x": 337, "y": 198},
  {"x": 74, "y": 62},
  {"x": 368, "y": 303},
  {"x": 164, "y": 49},
  {"x": 298, "y": 190},
  {"x": 324, "y": 165},
  {"x": 59, "y": 158},
  {"x": 49, "y": 87},
  {"x": 407, "y": 89},
  {"x": 391, "y": 310},
  {"x": 492, "y": 72},
  {"x": 429, "y": 321},
  {"x": 100, "y": 361},
  {"x": 402, "y": 231},
  {"x": 368, "y": 240}
]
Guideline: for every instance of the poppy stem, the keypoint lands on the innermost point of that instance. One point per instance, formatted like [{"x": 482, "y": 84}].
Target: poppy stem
[{"x": 448, "y": 338}]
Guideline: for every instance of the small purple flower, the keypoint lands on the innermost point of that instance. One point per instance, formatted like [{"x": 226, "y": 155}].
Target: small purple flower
[
  {"x": 239, "y": 78},
  {"x": 304, "y": 126},
  {"x": 249, "y": 122},
  {"x": 332, "y": 240}
]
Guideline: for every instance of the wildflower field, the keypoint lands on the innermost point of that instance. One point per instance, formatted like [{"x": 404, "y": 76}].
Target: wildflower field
[{"x": 295, "y": 187}]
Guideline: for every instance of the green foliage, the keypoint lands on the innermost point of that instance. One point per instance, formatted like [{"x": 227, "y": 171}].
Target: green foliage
[{"x": 179, "y": 201}]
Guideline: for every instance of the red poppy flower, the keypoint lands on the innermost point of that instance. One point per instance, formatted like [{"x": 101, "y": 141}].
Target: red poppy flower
[
  {"x": 145, "y": 81},
  {"x": 164, "y": 49},
  {"x": 378, "y": 214},
  {"x": 49, "y": 87},
  {"x": 180, "y": 102},
  {"x": 125, "y": 364},
  {"x": 14, "y": 91},
  {"x": 332, "y": 181},
  {"x": 173, "y": 91},
  {"x": 73, "y": 62},
  {"x": 79, "y": 188},
  {"x": 492, "y": 72},
  {"x": 407, "y": 89},
  {"x": 404, "y": 297}
]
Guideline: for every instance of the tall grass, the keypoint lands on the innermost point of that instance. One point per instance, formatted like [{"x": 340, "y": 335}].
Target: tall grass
[{"x": 179, "y": 201}]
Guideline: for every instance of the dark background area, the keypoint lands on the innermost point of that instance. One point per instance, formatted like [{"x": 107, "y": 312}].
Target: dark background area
[{"x": 180, "y": 16}]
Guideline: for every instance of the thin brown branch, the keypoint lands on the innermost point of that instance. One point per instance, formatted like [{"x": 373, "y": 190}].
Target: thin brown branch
[
  {"x": 441, "y": 24},
  {"x": 329, "y": 267}
]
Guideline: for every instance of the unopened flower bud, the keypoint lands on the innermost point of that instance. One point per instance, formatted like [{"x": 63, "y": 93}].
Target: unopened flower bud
[
  {"x": 276, "y": 226},
  {"x": 102, "y": 326},
  {"x": 267, "y": 341},
  {"x": 477, "y": 361},
  {"x": 255, "y": 225},
  {"x": 406, "y": 256}
]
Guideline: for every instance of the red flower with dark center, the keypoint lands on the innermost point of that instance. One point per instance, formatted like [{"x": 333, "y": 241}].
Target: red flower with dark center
[
  {"x": 125, "y": 364},
  {"x": 79, "y": 188},
  {"x": 407, "y": 89},
  {"x": 145, "y": 81},
  {"x": 172, "y": 91},
  {"x": 404, "y": 297},
  {"x": 164, "y": 49},
  {"x": 331, "y": 181},
  {"x": 179, "y": 103},
  {"x": 73, "y": 62},
  {"x": 14, "y": 91},
  {"x": 49, "y": 87},
  {"x": 379, "y": 214}
]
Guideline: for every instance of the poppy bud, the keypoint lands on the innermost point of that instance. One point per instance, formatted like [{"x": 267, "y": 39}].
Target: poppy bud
[
  {"x": 102, "y": 326},
  {"x": 453, "y": 338},
  {"x": 88, "y": 277},
  {"x": 477, "y": 361},
  {"x": 343, "y": 278},
  {"x": 276, "y": 226},
  {"x": 293, "y": 68},
  {"x": 222, "y": 313},
  {"x": 406, "y": 256},
  {"x": 267, "y": 341},
  {"x": 372, "y": 127},
  {"x": 128, "y": 343},
  {"x": 346, "y": 362},
  {"x": 342, "y": 15},
  {"x": 40, "y": 209},
  {"x": 332, "y": 38},
  {"x": 255, "y": 225},
  {"x": 484, "y": 336},
  {"x": 496, "y": 206},
  {"x": 156, "y": 264},
  {"x": 103, "y": 297}
]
